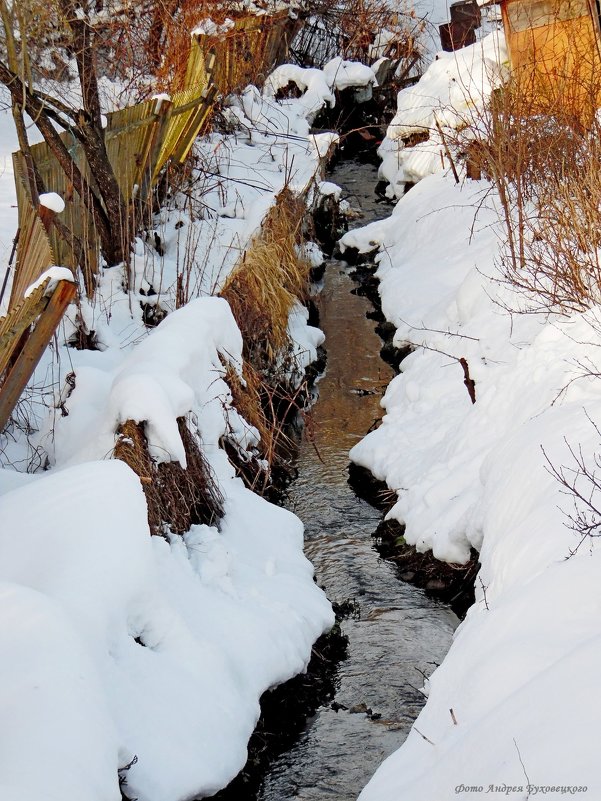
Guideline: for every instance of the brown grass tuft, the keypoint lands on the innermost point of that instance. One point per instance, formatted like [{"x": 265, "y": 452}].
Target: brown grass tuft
[
  {"x": 176, "y": 498},
  {"x": 268, "y": 280},
  {"x": 545, "y": 171}
]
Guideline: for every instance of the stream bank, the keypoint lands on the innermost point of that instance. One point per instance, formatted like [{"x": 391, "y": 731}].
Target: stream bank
[{"x": 361, "y": 697}]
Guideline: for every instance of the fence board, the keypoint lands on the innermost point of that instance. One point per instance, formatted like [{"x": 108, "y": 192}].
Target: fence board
[{"x": 27, "y": 359}]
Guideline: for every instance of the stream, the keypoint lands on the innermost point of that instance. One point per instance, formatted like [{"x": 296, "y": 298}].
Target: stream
[{"x": 398, "y": 633}]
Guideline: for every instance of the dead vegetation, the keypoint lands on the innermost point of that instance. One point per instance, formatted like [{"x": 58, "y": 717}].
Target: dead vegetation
[
  {"x": 361, "y": 31},
  {"x": 270, "y": 409},
  {"x": 269, "y": 279},
  {"x": 177, "y": 497},
  {"x": 544, "y": 168}
]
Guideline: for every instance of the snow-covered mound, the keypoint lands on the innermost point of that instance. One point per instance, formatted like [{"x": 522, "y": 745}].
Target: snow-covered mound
[
  {"x": 117, "y": 648},
  {"x": 521, "y": 674},
  {"x": 513, "y": 709},
  {"x": 318, "y": 85},
  {"x": 449, "y": 96},
  {"x": 167, "y": 645}
]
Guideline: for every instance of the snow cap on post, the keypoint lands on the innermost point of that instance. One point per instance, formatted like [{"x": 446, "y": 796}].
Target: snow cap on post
[{"x": 51, "y": 204}]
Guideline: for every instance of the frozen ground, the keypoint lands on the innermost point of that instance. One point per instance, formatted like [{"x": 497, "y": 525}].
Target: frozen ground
[{"x": 514, "y": 709}]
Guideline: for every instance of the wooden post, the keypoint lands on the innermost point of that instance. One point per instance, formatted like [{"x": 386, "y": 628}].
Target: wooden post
[
  {"x": 47, "y": 217},
  {"x": 148, "y": 167},
  {"x": 27, "y": 360},
  {"x": 195, "y": 123}
]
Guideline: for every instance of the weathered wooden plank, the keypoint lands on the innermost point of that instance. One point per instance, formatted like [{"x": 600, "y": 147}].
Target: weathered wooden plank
[
  {"x": 17, "y": 321},
  {"x": 31, "y": 353}
]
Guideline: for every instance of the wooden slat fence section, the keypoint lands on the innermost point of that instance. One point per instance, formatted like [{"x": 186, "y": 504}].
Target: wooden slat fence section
[
  {"x": 32, "y": 346},
  {"x": 75, "y": 216},
  {"x": 34, "y": 253},
  {"x": 140, "y": 141},
  {"x": 130, "y": 137},
  {"x": 127, "y": 138},
  {"x": 17, "y": 321},
  {"x": 248, "y": 51}
]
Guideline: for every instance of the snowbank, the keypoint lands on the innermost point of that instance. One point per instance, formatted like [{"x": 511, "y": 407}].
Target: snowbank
[
  {"x": 318, "y": 85},
  {"x": 513, "y": 710},
  {"x": 177, "y": 639},
  {"x": 521, "y": 674},
  {"x": 134, "y": 646},
  {"x": 449, "y": 96},
  {"x": 116, "y": 645}
]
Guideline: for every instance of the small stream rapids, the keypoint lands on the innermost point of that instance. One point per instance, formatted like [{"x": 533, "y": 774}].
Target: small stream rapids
[{"x": 399, "y": 634}]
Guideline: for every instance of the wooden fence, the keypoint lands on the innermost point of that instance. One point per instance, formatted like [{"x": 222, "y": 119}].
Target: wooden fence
[
  {"x": 140, "y": 141},
  {"x": 248, "y": 51}
]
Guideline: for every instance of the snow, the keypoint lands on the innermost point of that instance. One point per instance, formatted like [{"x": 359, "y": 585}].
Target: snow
[
  {"x": 209, "y": 28},
  {"x": 217, "y": 628},
  {"x": 450, "y": 95},
  {"x": 162, "y": 97},
  {"x": 517, "y": 693},
  {"x": 329, "y": 189},
  {"x": 139, "y": 646},
  {"x": 223, "y": 615},
  {"x": 52, "y": 201},
  {"x": 318, "y": 86},
  {"x": 344, "y": 74},
  {"x": 53, "y": 275}
]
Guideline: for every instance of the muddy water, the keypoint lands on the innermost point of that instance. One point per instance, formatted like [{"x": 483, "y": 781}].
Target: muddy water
[{"x": 399, "y": 633}]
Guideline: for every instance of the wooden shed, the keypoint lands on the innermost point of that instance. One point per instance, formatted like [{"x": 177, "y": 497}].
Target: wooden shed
[{"x": 554, "y": 49}]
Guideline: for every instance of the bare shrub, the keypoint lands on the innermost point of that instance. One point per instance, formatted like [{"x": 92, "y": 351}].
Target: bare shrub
[
  {"x": 361, "y": 31},
  {"x": 544, "y": 167},
  {"x": 580, "y": 480}
]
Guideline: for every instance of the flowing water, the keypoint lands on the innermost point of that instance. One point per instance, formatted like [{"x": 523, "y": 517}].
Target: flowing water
[{"x": 399, "y": 633}]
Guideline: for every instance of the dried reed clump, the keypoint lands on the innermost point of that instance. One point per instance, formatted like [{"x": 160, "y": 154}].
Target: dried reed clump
[
  {"x": 177, "y": 498},
  {"x": 270, "y": 409},
  {"x": 246, "y": 398},
  {"x": 268, "y": 280}
]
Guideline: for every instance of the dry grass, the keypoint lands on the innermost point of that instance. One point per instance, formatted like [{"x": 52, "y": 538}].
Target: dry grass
[
  {"x": 268, "y": 280},
  {"x": 176, "y": 498},
  {"x": 545, "y": 169},
  {"x": 270, "y": 409},
  {"x": 361, "y": 19}
]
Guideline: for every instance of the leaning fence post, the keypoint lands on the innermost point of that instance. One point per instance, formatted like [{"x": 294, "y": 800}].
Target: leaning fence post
[
  {"x": 35, "y": 345},
  {"x": 149, "y": 169}
]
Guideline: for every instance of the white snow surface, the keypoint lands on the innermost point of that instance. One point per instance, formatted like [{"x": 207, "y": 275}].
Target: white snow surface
[
  {"x": 521, "y": 675},
  {"x": 52, "y": 201},
  {"x": 449, "y": 96},
  {"x": 53, "y": 275},
  {"x": 219, "y": 617},
  {"x": 318, "y": 85},
  {"x": 514, "y": 709},
  {"x": 114, "y": 644}
]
